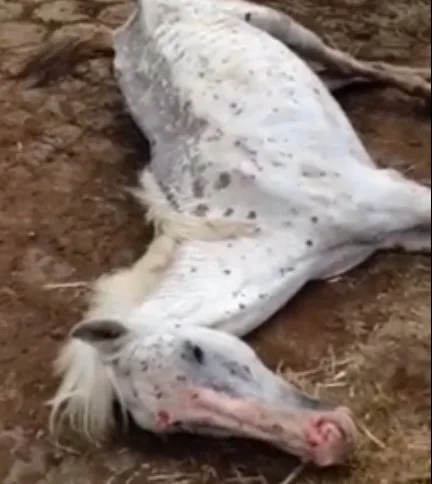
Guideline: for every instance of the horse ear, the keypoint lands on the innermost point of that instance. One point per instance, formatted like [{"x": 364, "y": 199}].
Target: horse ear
[{"x": 99, "y": 331}]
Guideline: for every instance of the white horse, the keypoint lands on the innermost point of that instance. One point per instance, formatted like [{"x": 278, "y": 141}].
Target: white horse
[{"x": 257, "y": 185}]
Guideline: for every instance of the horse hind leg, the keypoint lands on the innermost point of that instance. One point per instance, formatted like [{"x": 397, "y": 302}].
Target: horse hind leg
[
  {"x": 413, "y": 81},
  {"x": 307, "y": 44},
  {"x": 396, "y": 212}
]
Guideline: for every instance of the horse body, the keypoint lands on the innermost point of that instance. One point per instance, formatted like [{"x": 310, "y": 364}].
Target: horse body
[{"x": 257, "y": 185}]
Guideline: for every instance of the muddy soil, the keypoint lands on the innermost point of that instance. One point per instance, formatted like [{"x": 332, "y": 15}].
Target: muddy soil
[{"x": 67, "y": 151}]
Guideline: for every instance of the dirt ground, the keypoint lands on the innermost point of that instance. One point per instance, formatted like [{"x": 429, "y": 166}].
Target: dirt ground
[{"x": 67, "y": 150}]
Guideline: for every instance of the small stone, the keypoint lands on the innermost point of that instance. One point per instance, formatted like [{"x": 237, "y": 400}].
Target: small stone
[{"x": 62, "y": 11}]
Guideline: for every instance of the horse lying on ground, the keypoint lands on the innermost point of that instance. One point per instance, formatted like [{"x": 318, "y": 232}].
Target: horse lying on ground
[{"x": 257, "y": 185}]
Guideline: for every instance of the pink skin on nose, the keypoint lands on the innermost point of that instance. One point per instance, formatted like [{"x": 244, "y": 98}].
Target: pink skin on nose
[
  {"x": 163, "y": 420},
  {"x": 319, "y": 437},
  {"x": 327, "y": 441}
]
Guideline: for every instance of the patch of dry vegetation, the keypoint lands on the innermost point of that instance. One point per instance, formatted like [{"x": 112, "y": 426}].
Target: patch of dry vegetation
[{"x": 387, "y": 384}]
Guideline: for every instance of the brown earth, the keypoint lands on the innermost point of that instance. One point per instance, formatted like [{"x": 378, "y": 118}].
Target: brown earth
[{"x": 67, "y": 150}]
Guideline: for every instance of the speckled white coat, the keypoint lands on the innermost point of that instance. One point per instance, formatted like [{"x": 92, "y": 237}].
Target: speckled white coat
[{"x": 242, "y": 133}]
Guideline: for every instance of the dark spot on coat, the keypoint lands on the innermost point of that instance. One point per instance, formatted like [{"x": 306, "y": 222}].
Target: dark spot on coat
[
  {"x": 309, "y": 243},
  {"x": 313, "y": 173},
  {"x": 215, "y": 136},
  {"x": 198, "y": 188},
  {"x": 285, "y": 270},
  {"x": 170, "y": 196},
  {"x": 224, "y": 179},
  {"x": 242, "y": 306},
  {"x": 193, "y": 269},
  {"x": 158, "y": 395},
  {"x": 228, "y": 212},
  {"x": 251, "y": 215},
  {"x": 144, "y": 365},
  {"x": 248, "y": 17},
  {"x": 240, "y": 371},
  {"x": 314, "y": 220},
  {"x": 227, "y": 272},
  {"x": 201, "y": 209}
]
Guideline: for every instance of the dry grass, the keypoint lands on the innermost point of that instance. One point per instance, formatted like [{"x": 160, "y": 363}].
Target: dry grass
[{"x": 387, "y": 384}]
